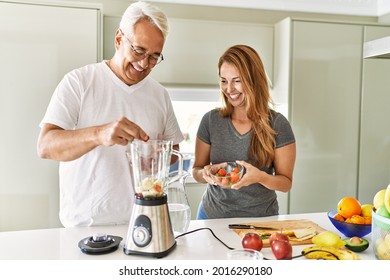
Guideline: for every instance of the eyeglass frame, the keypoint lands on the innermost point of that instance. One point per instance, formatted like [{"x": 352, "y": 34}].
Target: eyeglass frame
[{"x": 143, "y": 54}]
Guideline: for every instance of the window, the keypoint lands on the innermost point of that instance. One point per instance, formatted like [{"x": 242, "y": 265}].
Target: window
[{"x": 190, "y": 105}]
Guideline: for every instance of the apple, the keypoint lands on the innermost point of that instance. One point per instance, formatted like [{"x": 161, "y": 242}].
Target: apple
[
  {"x": 386, "y": 201},
  {"x": 282, "y": 249},
  {"x": 278, "y": 236},
  {"x": 379, "y": 198},
  {"x": 382, "y": 211},
  {"x": 253, "y": 241}
]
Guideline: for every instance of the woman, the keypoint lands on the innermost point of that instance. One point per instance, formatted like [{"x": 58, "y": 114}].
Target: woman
[{"x": 248, "y": 131}]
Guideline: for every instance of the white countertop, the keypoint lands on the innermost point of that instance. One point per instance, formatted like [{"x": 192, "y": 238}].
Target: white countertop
[{"x": 62, "y": 243}]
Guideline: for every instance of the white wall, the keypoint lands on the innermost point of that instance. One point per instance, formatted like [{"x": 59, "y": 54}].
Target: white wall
[{"x": 39, "y": 44}]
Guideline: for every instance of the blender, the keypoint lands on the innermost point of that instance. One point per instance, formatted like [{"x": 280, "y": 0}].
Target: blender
[{"x": 150, "y": 229}]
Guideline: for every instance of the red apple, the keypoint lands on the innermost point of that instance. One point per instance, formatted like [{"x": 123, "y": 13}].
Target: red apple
[
  {"x": 278, "y": 236},
  {"x": 282, "y": 249},
  {"x": 253, "y": 241}
]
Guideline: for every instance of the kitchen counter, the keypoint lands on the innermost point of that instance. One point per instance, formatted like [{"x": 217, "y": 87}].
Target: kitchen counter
[{"x": 62, "y": 243}]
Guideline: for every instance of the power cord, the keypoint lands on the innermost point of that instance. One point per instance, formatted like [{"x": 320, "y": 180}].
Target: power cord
[
  {"x": 188, "y": 232},
  {"x": 216, "y": 237}
]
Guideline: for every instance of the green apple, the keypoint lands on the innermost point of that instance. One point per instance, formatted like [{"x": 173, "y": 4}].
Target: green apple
[
  {"x": 387, "y": 198},
  {"x": 379, "y": 198},
  {"x": 382, "y": 211}
]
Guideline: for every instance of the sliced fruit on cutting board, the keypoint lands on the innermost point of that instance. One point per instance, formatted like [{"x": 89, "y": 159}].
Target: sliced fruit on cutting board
[{"x": 299, "y": 231}]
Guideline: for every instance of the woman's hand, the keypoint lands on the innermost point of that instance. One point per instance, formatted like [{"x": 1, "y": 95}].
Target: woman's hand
[
  {"x": 211, "y": 169},
  {"x": 252, "y": 175}
]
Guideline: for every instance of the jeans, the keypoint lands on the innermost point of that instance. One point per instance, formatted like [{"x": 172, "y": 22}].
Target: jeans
[{"x": 201, "y": 215}]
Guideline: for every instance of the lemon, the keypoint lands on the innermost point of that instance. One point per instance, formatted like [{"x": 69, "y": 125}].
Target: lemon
[
  {"x": 327, "y": 238},
  {"x": 367, "y": 210}
]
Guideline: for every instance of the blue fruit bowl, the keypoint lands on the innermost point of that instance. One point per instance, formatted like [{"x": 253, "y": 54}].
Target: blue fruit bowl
[{"x": 349, "y": 229}]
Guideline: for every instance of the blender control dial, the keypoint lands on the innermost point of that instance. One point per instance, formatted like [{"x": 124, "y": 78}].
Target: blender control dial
[{"x": 142, "y": 231}]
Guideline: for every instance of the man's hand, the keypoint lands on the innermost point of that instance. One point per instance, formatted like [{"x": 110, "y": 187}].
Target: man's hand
[{"x": 121, "y": 132}]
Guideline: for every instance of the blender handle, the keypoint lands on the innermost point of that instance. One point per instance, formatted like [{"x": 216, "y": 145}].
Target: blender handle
[{"x": 180, "y": 167}]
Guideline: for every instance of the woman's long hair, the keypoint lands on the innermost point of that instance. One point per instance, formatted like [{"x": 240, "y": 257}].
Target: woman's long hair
[{"x": 255, "y": 86}]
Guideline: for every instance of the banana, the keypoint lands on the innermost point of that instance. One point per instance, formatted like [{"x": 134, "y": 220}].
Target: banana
[{"x": 329, "y": 253}]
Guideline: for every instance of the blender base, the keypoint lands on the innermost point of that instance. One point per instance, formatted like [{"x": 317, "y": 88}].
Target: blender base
[
  {"x": 148, "y": 254},
  {"x": 150, "y": 231}
]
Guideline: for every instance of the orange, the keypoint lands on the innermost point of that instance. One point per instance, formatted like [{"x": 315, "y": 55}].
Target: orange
[
  {"x": 349, "y": 206},
  {"x": 367, "y": 220},
  {"x": 339, "y": 217},
  {"x": 348, "y": 220},
  {"x": 357, "y": 219}
]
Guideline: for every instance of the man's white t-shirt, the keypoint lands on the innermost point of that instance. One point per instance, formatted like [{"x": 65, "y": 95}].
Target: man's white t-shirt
[{"x": 96, "y": 188}]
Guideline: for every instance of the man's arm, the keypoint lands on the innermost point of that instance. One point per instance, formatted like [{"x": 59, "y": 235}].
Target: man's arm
[{"x": 65, "y": 145}]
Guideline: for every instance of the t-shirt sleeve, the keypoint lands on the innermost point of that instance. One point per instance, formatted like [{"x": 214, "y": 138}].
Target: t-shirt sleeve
[
  {"x": 64, "y": 105},
  {"x": 203, "y": 130},
  {"x": 284, "y": 133}
]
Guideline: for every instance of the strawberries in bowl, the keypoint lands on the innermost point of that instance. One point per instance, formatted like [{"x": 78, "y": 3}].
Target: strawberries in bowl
[{"x": 228, "y": 174}]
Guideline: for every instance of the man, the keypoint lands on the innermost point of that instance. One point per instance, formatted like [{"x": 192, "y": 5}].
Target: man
[{"x": 96, "y": 110}]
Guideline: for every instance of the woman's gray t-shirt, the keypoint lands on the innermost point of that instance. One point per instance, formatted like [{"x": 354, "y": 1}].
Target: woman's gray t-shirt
[{"x": 228, "y": 145}]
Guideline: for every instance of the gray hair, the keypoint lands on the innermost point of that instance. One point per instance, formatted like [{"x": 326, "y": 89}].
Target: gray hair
[{"x": 142, "y": 10}]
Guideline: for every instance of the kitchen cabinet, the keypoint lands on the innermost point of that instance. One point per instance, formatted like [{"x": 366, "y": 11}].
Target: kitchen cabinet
[
  {"x": 374, "y": 167},
  {"x": 319, "y": 76},
  {"x": 193, "y": 47},
  {"x": 39, "y": 44}
]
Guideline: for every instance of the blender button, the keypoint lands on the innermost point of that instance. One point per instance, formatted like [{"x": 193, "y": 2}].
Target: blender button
[{"x": 141, "y": 236}]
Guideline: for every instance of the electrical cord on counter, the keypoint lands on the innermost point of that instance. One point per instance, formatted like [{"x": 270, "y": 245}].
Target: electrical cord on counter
[
  {"x": 230, "y": 248},
  {"x": 192, "y": 231}
]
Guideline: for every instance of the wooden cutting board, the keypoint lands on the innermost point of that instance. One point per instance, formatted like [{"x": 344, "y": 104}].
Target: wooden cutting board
[{"x": 281, "y": 225}]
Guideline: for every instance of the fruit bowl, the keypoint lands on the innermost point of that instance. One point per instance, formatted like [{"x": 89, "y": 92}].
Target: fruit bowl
[
  {"x": 349, "y": 229},
  {"x": 227, "y": 174},
  {"x": 381, "y": 236}
]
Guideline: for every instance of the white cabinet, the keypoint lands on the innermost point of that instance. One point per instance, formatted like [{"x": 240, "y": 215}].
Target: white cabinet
[
  {"x": 318, "y": 74},
  {"x": 193, "y": 48},
  {"x": 338, "y": 108},
  {"x": 39, "y": 44},
  {"x": 374, "y": 167}
]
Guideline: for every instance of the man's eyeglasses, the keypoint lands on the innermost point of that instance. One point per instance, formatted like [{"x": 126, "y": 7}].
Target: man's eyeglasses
[{"x": 141, "y": 53}]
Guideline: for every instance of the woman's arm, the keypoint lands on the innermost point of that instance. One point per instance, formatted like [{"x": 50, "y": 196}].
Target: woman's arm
[{"x": 284, "y": 167}]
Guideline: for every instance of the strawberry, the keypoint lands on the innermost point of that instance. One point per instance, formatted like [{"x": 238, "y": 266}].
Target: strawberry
[
  {"x": 157, "y": 188},
  {"x": 221, "y": 172},
  {"x": 234, "y": 177}
]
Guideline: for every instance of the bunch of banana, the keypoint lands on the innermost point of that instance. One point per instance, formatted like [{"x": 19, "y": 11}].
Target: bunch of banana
[{"x": 329, "y": 253}]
